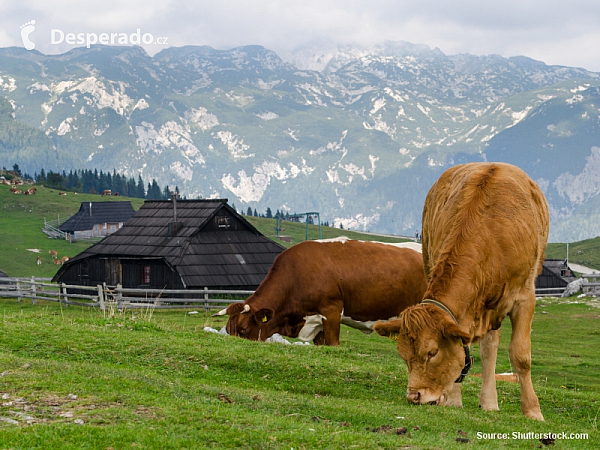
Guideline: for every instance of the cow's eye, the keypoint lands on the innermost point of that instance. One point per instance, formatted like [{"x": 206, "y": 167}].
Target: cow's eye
[{"x": 431, "y": 354}]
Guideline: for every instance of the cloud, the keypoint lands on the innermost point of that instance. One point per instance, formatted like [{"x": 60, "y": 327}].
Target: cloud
[{"x": 561, "y": 33}]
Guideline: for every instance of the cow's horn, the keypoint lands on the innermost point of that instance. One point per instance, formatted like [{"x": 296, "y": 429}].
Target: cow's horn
[
  {"x": 223, "y": 312},
  {"x": 246, "y": 308}
]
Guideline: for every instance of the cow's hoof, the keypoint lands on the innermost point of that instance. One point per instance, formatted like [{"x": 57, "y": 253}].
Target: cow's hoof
[
  {"x": 489, "y": 406},
  {"x": 535, "y": 415}
]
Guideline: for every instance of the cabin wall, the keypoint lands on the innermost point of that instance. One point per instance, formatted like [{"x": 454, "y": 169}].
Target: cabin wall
[{"x": 130, "y": 273}]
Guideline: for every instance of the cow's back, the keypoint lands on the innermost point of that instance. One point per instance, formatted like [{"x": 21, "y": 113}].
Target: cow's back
[
  {"x": 486, "y": 223},
  {"x": 372, "y": 280}
]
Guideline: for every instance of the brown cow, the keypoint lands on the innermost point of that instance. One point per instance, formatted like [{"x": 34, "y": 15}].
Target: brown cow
[
  {"x": 351, "y": 282},
  {"x": 485, "y": 228},
  {"x": 106, "y": 192},
  {"x": 54, "y": 254}
]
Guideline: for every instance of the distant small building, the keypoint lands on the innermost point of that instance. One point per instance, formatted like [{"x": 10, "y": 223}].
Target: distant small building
[
  {"x": 180, "y": 244},
  {"x": 556, "y": 273},
  {"x": 97, "y": 219}
]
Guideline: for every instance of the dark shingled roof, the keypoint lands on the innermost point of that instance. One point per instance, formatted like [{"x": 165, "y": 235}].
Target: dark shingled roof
[
  {"x": 2, "y": 274},
  {"x": 200, "y": 252},
  {"x": 101, "y": 212}
]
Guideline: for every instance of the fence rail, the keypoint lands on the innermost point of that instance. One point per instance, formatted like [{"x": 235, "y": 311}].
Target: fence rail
[
  {"x": 103, "y": 296},
  {"x": 549, "y": 292}
]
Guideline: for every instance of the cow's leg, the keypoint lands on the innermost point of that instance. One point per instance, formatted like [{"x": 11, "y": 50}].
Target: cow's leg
[
  {"x": 455, "y": 396},
  {"x": 331, "y": 325},
  {"x": 519, "y": 351},
  {"x": 488, "y": 349}
]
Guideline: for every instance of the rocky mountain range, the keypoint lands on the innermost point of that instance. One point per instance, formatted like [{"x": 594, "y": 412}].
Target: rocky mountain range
[{"x": 357, "y": 134}]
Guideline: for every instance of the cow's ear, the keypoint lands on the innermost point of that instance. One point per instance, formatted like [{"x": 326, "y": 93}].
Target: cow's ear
[
  {"x": 234, "y": 308},
  {"x": 263, "y": 315},
  {"x": 451, "y": 330},
  {"x": 389, "y": 328}
]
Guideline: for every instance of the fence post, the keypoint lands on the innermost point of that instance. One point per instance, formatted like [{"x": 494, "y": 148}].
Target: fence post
[
  {"x": 101, "y": 297},
  {"x": 18, "y": 290},
  {"x": 206, "y": 308},
  {"x": 63, "y": 287},
  {"x": 33, "y": 300},
  {"x": 119, "y": 297}
]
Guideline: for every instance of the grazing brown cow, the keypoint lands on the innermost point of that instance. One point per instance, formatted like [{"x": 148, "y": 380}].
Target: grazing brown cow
[
  {"x": 106, "y": 192},
  {"x": 352, "y": 282},
  {"x": 485, "y": 228},
  {"x": 38, "y": 260},
  {"x": 54, "y": 254}
]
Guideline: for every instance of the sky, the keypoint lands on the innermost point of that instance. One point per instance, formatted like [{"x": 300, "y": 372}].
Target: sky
[{"x": 556, "y": 32}]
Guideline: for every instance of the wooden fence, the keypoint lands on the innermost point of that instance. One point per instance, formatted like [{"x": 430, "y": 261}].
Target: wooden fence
[
  {"x": 117, "y": 297},
  {"x": 103, "y": 296},
  {"x": 591, "y": 284}
]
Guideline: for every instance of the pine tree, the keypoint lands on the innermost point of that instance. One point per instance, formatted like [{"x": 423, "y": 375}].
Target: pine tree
[{"x": 140, "y": 192}]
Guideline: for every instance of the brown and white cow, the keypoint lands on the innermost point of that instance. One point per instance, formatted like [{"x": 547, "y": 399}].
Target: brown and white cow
[
  {"x": 351, "y": 282},
  {"x": 485, "y": 228}
]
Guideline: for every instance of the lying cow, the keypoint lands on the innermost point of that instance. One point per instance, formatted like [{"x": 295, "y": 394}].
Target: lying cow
[
  {"x": 330, "y": 283},
  {"x": 485, "y": 227}
]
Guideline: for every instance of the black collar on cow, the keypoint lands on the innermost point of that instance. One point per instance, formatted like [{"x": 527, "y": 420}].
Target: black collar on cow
[{"x": 468, "y": 357}]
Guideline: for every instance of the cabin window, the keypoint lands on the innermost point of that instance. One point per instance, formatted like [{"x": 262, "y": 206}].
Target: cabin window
[
  {"x": 222, "y": 222},
  {"x": 565, "y": 273},
  {"x": 146, "y": 274}
]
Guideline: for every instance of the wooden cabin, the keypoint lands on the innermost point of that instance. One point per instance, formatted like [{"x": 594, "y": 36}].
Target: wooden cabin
[
  {"x": 177, "y": 244},
  {"x": 97, "y": 219},
  {"x": 555, "y": 274}
]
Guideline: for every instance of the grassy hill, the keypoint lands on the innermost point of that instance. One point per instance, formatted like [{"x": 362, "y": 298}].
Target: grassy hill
[
  {"x": 21, "y": 222},
  {"x": 73, "y": 378},
  {"x": 585, "y": 253},
  {"x": 22, "y": 219}
]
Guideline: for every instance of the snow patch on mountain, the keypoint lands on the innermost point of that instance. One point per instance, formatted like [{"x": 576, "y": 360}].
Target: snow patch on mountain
[
  {"x": 268, "y": 115},
  {"x": 65, "y": 126},
  {"x": 357, "y": 222},
  {"x": 116, "y": 99},
  {"x": 235, "y": 145},
  {"x": 141, "y": 104},
  {"x": 252, "y": 188},
  {"x": 38, "y": 87},
  {"x": 170, "y": 135},
  {"x": 201, "y": 117},
  {"x": 184, "y": 172},
  {"x": 8, "y": 83}
]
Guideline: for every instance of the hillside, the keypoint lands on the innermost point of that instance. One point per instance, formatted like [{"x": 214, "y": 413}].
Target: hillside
[
  {"x": 360, "y": 141},
  {"x": 585, "y": 253},
  {"x": 22, "y": 219}
]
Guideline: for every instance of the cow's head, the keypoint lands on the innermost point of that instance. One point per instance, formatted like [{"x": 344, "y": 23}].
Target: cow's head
[
  {"x": 259, "y": 324},
  {"x": 431, "y": 344}
]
